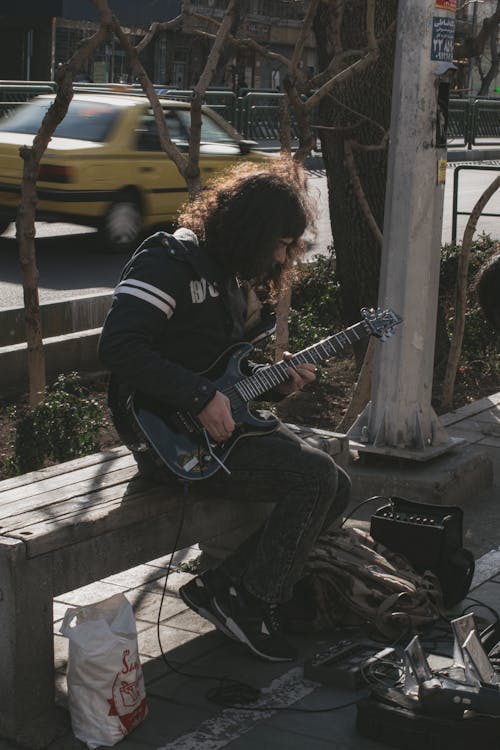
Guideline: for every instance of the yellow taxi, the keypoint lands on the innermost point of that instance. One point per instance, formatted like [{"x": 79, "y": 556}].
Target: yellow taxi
[{"x": 104, "y": 166}]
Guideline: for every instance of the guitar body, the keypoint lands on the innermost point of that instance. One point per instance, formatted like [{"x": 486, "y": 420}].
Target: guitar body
[{"x": 178, "y": 438}]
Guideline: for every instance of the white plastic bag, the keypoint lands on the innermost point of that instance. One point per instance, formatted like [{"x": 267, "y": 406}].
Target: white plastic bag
[{"x": 107, "y": 698}]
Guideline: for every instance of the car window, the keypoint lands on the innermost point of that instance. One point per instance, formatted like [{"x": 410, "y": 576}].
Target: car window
[
  {"x": 86, "y": 121},
  {"x": 147, "y": 131},
  {"x": 211, "y": 131},
  {"x": 178, "y": 123}
]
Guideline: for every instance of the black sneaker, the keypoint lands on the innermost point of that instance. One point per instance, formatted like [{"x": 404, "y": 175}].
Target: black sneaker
[
  {"x": 197, "y": 594},
  {"x": 253, "y": 622}
]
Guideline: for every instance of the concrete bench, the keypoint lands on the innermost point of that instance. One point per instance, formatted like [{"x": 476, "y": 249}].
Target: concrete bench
[{"x": 70, "y": 525}]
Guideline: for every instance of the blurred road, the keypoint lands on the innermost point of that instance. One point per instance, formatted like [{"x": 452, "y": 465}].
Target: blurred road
[{"x": 72, "y": 261}]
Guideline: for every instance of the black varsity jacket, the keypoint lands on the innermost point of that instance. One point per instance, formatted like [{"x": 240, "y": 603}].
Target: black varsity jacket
[{"x": 171, "y": 317}]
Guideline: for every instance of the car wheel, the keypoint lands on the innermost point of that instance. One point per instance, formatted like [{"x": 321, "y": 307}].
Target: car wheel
[{"x": 123, "y": 225}]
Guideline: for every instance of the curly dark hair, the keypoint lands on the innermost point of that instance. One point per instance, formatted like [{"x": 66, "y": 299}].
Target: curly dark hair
[
  {"x": 244, "y": 212},
  {"x": 487, "y": 286}
]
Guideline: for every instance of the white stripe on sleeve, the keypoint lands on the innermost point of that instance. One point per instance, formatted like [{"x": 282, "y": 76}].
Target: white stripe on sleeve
[
  {"x": 123, "y": 288},
  {"x": 150, "y": 288}
]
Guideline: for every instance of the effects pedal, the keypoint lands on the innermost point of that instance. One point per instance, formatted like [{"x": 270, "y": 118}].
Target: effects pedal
[{"x": 346, "y": 663}]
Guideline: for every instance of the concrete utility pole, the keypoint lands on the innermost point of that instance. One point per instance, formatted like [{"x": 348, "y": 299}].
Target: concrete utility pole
[{"x": 399, "y": 420}]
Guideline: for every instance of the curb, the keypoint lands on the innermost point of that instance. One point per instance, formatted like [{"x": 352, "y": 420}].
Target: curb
[
  {"x": 58, "y": 318},
  {"x": 63, "y": 354}
]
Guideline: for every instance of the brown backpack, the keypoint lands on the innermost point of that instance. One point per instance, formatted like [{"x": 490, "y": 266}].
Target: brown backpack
[{"x": 350, "y": 579}]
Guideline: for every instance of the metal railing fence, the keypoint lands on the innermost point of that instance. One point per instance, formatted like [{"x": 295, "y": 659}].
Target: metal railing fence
[
  {"x": 255, "y": 112},
  {"x": 455, "y": 212},
  {"x": 473, "y": 122},
  {"x": 15, "y": 93}
]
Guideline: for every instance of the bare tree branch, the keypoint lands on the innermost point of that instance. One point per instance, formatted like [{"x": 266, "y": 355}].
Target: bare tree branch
[
  {"x": 155, "y": 29},
  {"x": 205, "y": 78},
  {"x": 167, "y": 144}
]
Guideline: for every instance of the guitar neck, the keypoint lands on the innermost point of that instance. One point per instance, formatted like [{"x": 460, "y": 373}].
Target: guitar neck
[{"x": 270, "y": 376}]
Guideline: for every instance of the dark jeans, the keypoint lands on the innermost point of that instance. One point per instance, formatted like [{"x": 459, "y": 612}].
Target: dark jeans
[{"x": 309, "y": 492}]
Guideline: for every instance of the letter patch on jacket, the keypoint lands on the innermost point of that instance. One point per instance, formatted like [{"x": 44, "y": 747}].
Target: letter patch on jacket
[{"x": 199, "y": 290}]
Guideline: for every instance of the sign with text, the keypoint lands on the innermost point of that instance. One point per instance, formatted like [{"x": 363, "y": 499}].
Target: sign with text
[
  {"x": 443, "y": 36},
  {"x": 447, "y": 5}
]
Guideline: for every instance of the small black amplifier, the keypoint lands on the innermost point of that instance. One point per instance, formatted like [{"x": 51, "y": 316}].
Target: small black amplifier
[{"x": 430, "y": 537}]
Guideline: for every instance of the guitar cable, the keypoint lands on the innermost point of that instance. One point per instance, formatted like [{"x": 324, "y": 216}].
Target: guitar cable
[{"x": 229, "y": 693}]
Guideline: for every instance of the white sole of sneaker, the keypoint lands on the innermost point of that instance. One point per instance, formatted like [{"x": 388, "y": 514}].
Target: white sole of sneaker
[
  {"x": 207, "y": 615},
  {"x": 238, "y": 634}
]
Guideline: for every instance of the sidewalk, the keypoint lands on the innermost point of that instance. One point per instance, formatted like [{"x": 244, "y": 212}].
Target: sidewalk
[{"x": 180, "y": 715}]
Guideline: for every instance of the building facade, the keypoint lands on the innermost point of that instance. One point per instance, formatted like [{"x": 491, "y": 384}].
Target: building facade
[{"x": 35, "y": 37}]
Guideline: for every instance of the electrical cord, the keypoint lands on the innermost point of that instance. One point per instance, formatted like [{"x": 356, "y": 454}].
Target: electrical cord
[
  {"x": 229, "y": 692},
  {"x": 242, "y": 690},
  {"x": 364, "y": 502}
]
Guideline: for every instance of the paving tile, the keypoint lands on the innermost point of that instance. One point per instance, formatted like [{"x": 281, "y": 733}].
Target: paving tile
[
  {"x": 178, "y": 645},
  {"x": 189, "y": 620},
  {"x": 169, "y": 677},
  {"x": 488, "y": 594},
  {"x": 470, "y": 433},
  {"x": 133, "y": 577},
  {"x": 176, "y": 579},
  {"x": 489, "y": 416},
  {"x": 94, "y": 592},
  {"x": 336, "y": 724},
  {"x": 165, "y": 721},
  {"x": 131, "y": 742},
  {"x": 67, "y": 742},
  {"x": 269, "y": 738},
  {"x": 147, "y": 604}
]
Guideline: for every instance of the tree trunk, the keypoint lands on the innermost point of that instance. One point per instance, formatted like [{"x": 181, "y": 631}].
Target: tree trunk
[{"x": 356, "y": 113}]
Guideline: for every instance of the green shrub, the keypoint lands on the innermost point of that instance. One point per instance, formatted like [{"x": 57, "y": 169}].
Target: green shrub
[
  {"x": 64, "y": 425},
  {"x": 315, "y": 309},
  {"x": 480, "y": 341}
]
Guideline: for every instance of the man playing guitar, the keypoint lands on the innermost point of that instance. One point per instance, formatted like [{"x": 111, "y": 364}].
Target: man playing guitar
[{"x": 182, "y": 300}]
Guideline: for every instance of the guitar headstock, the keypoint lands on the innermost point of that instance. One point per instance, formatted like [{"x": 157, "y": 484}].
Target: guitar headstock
[{"x": 380, "y": 323}]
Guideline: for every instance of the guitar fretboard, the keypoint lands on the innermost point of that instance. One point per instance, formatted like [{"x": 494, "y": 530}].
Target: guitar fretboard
[{"x": 269, "y": 376}]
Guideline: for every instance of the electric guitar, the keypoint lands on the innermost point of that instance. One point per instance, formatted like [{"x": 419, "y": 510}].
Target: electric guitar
[{"x": 181, "y": 441}]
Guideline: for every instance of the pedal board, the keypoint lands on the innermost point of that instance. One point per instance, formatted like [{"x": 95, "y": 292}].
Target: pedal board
[
  {"x": 397, "y": 726},
  {"x": 345, "y": 663}
]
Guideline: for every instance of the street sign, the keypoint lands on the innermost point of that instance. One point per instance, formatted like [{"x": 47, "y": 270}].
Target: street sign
[
  {"x": 443, "y": 36},
  {"x": 447, "y": 5}
]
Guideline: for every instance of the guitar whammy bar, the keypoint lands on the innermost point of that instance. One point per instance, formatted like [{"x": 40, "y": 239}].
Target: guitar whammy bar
[
  {"x": 179, "y": 439},
  {"x": 446, "y": 708}
]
